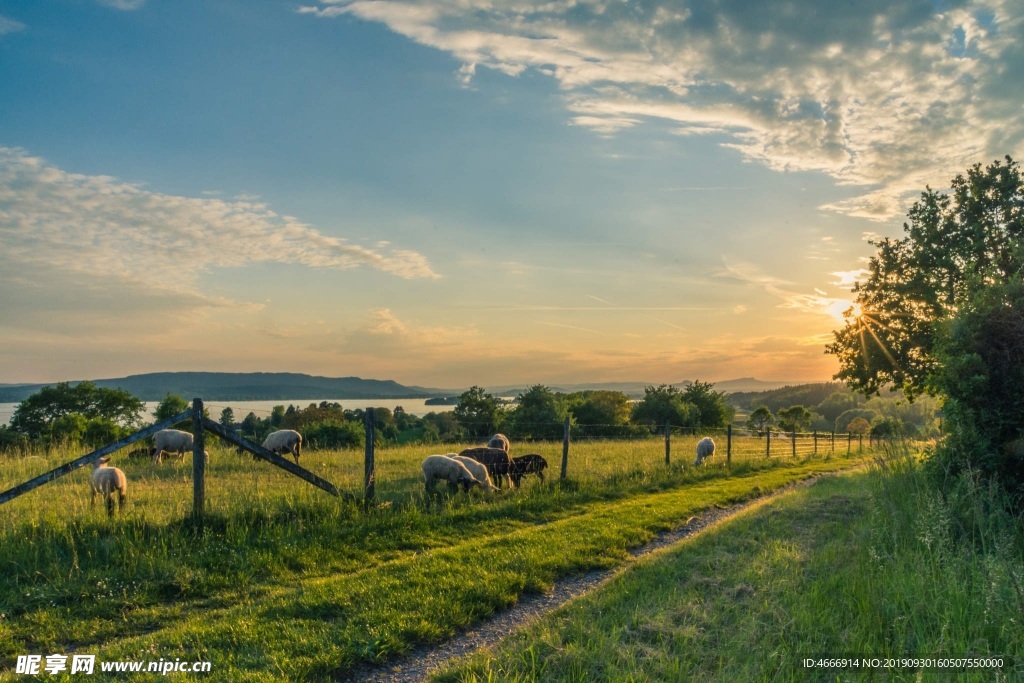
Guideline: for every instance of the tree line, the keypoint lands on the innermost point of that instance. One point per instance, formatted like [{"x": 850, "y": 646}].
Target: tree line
[
  {"x": 833, "y": 407},
  {"x": 93, "y": 416}
]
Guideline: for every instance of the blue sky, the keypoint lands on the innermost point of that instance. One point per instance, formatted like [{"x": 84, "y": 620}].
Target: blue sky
[{"x": 447, "y": 193}]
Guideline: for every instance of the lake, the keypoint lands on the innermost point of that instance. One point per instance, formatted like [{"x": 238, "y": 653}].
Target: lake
[{"x": 413, "y": 406}]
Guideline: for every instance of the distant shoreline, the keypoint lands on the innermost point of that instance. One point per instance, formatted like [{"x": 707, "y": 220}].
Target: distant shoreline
[{"x": 264, "y": 407}]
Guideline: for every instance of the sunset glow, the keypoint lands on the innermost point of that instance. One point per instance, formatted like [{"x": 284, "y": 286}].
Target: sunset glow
[{"x": 446, "y": 196}]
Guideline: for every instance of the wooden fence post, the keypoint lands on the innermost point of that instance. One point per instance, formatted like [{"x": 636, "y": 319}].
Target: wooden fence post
[
  {"x": 768, "y": 442},
  {"x": 793, "y": 435},
  {"x": 728, "y": 445},
  {"x": 668, "y": 443},
  {"x": 198, "y": 460},
  {"x": 849, "y": 442},
  {"x": 860, "y": 443},
  {"x": 369, "y": 476},
  {"x": 833, "y": 442},
  {"x": 565, "y": 448},
  {"x": 815, "y": 441}
]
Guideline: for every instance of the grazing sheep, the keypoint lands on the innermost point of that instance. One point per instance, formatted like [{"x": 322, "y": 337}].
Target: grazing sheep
[
  {"x": 171, "y": 441},
  {"x": 499, "y": 441},
  {"x": 527, "y": 464},
  {"x": 705, "y": 449},
  {"x": 478, "y": 471},
  {"x": 285, "y": 441},
  {"x": 104, "y": 481},
  {"x": 438, "y": 467},
  {"x": 495, "y": 460}
]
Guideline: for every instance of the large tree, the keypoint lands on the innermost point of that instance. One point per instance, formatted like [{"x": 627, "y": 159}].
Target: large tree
[
  {"x": 479, "y": 413},
  {"x": 795, "y": 418},
  {"x": 169, "y": 406},
  {"x": 942, "y": 311},
  {"x": 712, "y": 408},
  {"x": 37, "y": 414},
  {"x": 761, "y": 419},
  {"x": 955, "y": 245},
  {"x": 601, "y": 413},
  {"x": 539, "y": 414},
  {"x": 664, "y": 403}
]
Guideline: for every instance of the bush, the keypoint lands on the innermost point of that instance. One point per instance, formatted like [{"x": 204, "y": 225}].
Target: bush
[
  {"x": 334, "y": 434},
  {"x": 981, "y": 353},
  {"x": 12, "y": 442}
]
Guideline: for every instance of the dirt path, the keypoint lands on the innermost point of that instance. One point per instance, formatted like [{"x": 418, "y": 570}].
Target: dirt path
[{"x": 415, "y": 666}]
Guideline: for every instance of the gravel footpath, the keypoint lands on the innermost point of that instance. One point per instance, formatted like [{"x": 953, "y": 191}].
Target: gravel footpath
[{"x": 420, "y": 661}]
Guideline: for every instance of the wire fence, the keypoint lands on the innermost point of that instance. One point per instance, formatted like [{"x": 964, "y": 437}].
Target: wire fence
[
  {"x": 601, "y": 457},
  {"x": 582, "y": 455}
]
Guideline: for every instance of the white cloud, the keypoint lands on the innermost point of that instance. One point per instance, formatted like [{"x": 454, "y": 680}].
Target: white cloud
[
  {"x": 10, "y": 26},
  {"x": 880, "y": 94},
  {"x": 847, "y": 278},
  {"x": 66, "y": 231},
  {"x": 126, "y": 5}
]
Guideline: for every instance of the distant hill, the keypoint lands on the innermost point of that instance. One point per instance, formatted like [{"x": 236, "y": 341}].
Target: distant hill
[
  {"x": 750, "y": 384},
  {"x": 242, "y": 386},
  {"x": 807, "y": 395}
]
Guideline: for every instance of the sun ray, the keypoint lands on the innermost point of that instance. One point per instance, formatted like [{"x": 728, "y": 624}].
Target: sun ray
[{"x": 881, "y": 345}]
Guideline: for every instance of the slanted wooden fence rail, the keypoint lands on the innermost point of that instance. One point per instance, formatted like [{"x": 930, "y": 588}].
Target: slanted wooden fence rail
[
  {"x": 200, "y": 425},
  {"x": 90, "y": 458}
]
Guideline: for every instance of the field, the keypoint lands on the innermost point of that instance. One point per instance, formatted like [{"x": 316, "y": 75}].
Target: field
[
  {"x": 871, "y": 567},
  {"x": 284, "y": 581}
]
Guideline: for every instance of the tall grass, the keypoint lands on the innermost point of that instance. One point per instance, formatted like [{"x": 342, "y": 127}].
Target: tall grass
[{"x": 953, "y": 559}]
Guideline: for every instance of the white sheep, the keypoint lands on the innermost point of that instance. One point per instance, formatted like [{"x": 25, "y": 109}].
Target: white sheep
[
  {"x": 499, "y": 441},
  {"x": 477, "y": 469},
  {"x": 438, "y": 467},
  {"x": 171, "y": 441},
  {"x": 284, "y": 441},
  {"x": 104, "y": 481},
  {"x": 705, "y": 449}
]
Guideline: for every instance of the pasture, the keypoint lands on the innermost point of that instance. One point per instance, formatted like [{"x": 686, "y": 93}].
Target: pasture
[
  {"x": 284, "y": 581},
  {"x": 870, "y": 565}
]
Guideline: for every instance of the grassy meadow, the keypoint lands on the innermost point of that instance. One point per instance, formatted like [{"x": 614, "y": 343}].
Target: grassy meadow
[
  {"x": 871, "y": 564},
  {"x": 283, "y": 581}
]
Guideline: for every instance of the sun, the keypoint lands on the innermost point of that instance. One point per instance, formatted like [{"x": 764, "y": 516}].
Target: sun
[{"x": 839, "y": 307}]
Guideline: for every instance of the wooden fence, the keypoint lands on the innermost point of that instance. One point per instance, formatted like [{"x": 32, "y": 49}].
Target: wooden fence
[
  {"x": 200, "y": 425},
  {"x": 739, "y": 443}
]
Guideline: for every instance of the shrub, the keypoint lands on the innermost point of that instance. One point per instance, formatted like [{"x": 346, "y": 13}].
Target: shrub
[{"x": 334, "y": 434}]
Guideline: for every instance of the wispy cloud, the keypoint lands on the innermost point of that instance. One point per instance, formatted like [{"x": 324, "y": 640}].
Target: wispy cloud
[
  {"x": 541, "y": 307},
  {"x": 848, "y": 278},
  {"x": 817, "y": 303},
  {"x": 126, "y": 5},
  {"x": 884, "y": 95},
  {"x": 571, "y": 327},
  {"x": 10, "y": 26},
  {"x": 61, "y": 228}
]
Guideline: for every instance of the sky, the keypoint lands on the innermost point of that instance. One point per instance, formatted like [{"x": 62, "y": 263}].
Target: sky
[{"x": 447, "y": 193}]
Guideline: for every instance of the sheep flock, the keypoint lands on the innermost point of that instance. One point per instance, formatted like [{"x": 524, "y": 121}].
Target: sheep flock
[{"x": 485, "y": 467}]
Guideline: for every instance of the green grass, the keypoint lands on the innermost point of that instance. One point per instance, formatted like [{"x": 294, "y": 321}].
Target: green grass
[
  {"x": 283, "y": 581},
  {"x": 868, "y": 565}
]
